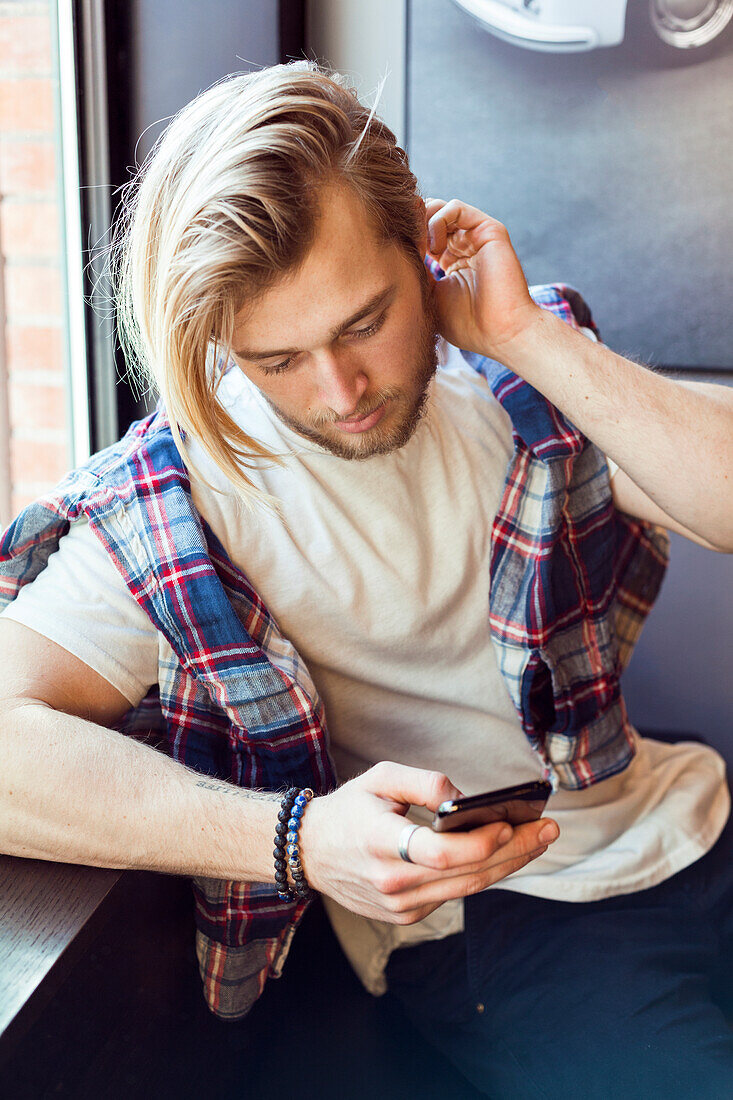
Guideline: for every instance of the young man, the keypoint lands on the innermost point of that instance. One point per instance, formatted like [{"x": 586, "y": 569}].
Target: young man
[{"x": 338, "y": 516}]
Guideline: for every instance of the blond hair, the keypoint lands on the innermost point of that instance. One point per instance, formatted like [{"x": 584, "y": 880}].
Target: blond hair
[{"x": 225, "y": 203}]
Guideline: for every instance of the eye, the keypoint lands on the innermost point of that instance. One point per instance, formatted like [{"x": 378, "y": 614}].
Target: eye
[
  {"x": 360, "y": 333},
  {"x": 278, "y": 368},
  {"x": 357, "y": 334}
]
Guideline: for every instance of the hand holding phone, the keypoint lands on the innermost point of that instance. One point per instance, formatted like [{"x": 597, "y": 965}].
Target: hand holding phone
[{"x": 351, "y": 844}]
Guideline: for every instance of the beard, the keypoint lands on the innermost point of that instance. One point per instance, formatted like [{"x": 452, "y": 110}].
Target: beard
[{"x": 406, "y": 405}]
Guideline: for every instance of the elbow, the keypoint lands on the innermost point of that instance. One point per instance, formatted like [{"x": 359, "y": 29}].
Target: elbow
[
  {"x": 723, "y": 545},
  {"x": 722, "y": 539}
]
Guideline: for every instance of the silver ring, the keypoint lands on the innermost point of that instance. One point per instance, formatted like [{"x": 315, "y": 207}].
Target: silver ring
[{"x": 404, "y": 843}]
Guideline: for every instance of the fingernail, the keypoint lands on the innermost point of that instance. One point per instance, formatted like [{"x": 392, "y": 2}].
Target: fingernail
[
  {"x": 550, "y": 832},
  {"x": 505, "y": 835}
]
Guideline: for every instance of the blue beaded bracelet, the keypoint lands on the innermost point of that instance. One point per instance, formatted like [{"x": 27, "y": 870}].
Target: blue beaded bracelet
[{"x": 287, "y": 845}]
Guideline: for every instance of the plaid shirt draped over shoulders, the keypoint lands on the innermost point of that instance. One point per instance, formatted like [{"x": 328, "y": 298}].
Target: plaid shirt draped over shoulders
[
  {"x": 571, "y": 582},
  {"x": 572, "y": 578}
]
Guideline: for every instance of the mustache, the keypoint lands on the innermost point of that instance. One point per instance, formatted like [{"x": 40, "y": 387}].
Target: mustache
[{"x": 366, "y": 408}]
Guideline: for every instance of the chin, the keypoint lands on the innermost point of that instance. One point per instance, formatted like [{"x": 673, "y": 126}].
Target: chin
[{"x": 383, "y": 438}]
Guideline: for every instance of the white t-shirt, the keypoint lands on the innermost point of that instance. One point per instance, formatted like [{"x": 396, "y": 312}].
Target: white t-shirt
[{"x": 378, "y": 573}]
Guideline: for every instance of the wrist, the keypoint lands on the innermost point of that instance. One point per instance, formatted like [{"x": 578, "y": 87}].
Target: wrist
[
  {"x": 312, "y": 835},
  {"x": 525, "y": 350},
  {"x": 289, "y": 873},
  {"x": 253, "y": 832}
]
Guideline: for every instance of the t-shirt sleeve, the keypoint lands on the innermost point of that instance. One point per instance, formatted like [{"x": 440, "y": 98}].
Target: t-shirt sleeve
[{"x": 80, "y": 602}]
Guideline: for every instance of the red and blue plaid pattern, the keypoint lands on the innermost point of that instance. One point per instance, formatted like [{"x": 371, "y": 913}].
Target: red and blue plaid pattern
[
  {"x": 571, "y": 583},
  {"x": 572, "y": 579}
]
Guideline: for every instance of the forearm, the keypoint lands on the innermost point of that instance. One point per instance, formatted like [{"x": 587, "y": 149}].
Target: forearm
[
  {"x": 72, "y": 791},
  {"x": 675, "y": 443}
]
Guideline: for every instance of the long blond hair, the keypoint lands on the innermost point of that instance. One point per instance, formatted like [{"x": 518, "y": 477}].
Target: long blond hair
[{"x": 225, "y": 203}]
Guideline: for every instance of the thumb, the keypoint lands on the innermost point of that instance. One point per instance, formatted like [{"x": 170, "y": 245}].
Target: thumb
[{"x": 409, "y": 786}]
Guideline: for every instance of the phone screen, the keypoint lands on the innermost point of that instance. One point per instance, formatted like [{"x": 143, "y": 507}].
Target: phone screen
[{"x": 517, "y": 805}]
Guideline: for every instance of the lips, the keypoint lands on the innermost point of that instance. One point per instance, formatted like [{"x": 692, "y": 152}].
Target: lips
[{"x": 363, "y": 423}]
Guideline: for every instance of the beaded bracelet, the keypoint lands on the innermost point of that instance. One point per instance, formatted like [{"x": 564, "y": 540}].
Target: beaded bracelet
[
  {"x": 303, "y": 889},
  {"x": 286, "y": 844},
  {"x": 281, "y": 874}
]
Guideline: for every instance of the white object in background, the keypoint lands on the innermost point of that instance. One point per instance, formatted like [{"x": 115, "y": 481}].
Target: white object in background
[
  {"x": 676, "y": 27},
  {"x": 364, "y": 42}
]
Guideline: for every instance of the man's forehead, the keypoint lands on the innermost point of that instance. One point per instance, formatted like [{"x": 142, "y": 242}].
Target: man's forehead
[
  {"x": 248, "y": 346},
  {"x": 304, "y": 314},
  {"x": 345, "y": 266}
]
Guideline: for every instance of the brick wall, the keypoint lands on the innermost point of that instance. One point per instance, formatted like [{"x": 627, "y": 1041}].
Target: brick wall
[{"x": 34, "y": 431}]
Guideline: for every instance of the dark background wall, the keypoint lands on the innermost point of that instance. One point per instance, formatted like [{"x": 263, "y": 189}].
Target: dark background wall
[
  {"x": 609, "y": 169},
  {"x": 681, "y": 674},
  {"x": 179, "y": 50}
]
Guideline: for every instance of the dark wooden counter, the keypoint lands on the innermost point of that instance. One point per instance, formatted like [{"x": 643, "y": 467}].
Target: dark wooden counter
[
  {"x": 101, "y": 1000},
  {"x": 49, "y": 913}
]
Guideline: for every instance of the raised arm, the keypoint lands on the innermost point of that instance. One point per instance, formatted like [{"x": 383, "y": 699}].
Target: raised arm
[{"x": 672, "y": 440}]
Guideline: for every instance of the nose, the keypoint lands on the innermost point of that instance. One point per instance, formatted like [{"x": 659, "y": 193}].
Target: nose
[{"x": 341, "y": 382}]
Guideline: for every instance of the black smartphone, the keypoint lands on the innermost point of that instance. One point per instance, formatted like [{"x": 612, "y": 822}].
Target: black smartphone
[{"x": 525, "y": 802}]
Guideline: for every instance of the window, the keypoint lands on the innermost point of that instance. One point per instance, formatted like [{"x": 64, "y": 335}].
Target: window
[{"x": 37, "y": 440}]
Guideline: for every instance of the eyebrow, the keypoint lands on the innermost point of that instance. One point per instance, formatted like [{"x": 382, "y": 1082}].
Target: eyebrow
[{"x": 380, "y": 298}]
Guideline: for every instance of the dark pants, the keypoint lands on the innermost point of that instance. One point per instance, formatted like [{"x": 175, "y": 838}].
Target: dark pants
[{"x": 630, "y": 997}]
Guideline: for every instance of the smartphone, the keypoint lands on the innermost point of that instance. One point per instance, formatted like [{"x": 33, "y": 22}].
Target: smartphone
[{"x": 525, "y": 802}]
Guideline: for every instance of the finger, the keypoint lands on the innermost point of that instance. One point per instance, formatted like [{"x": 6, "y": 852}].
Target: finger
[
  {"x": 456, "y": 215},
  {"x": 408, "y": 786},
  {"x": 442, "y": 851},
  {"x": 433, "y": 205},
  {"x": 461, "y": 246},
  {"x": 446, "y": 855},
  {"x": 496, "y": 842},
  {"x": 412, "y": 904},
  {"x": 395, "y": 877},
  {"x": 460, "y": 243}
]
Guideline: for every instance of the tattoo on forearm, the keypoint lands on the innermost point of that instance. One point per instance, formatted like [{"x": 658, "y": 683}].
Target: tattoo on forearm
[{"x": 229, "y": 788}]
